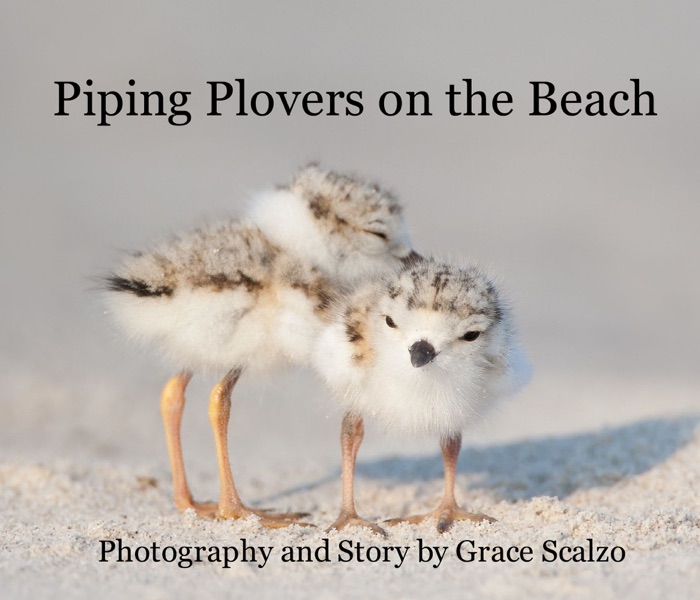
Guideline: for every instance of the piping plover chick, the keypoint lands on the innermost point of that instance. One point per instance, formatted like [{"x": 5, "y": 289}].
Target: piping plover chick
[
  {"x": 252, "y": 294},
  {"x": 426, "y": 350}
]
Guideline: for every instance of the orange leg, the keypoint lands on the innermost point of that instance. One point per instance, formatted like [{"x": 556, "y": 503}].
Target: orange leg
[
  {"x": 351, "y": 434},
  {"x": 447, "y": 512},
  {"x": 172, "y": 403},
  {"x": 230, "y": 504}
]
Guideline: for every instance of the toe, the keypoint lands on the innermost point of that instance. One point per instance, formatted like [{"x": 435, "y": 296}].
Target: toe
[
  {"x": 411, "y": 520},
  {"x": 446, "y": 518},
  {"x": 272, "y": 514},
  {"x": 344, "y": 521},
  {"x": 206, "y": 510}
]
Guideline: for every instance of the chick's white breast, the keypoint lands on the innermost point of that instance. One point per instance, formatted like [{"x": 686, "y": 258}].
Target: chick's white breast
[
  {"x": 386, "y": 387},
  {"x": 427, "y": 400}
]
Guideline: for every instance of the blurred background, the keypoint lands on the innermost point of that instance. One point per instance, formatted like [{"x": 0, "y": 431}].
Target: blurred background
[{"x": 591, "y": 223}]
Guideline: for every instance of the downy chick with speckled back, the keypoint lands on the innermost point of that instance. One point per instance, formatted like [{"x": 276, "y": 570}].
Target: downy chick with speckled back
[
  {"x": 252, "y": 294},
  {"x": 425, "y": 351}
]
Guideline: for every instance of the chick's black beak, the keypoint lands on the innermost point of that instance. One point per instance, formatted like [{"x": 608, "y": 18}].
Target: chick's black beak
[{"x": 422, "y": 352}]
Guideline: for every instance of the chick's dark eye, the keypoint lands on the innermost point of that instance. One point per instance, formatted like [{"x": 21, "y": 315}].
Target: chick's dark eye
[
  {"x": 470, "y": 336},
  {"x": 379, "y": 234},
  {"x": 390, "y": 322}
]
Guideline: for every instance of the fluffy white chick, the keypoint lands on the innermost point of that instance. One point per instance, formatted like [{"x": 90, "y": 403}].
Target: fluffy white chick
[
  {"x": 252, "y": 294},
  {"x": 427, "y": 350}
]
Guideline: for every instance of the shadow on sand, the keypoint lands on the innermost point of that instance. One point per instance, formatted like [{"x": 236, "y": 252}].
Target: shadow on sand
[{"x": 552, "y": 466}]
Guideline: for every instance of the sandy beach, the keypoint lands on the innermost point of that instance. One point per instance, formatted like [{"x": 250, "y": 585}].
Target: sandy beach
[{"x": 628, "y": 490}]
